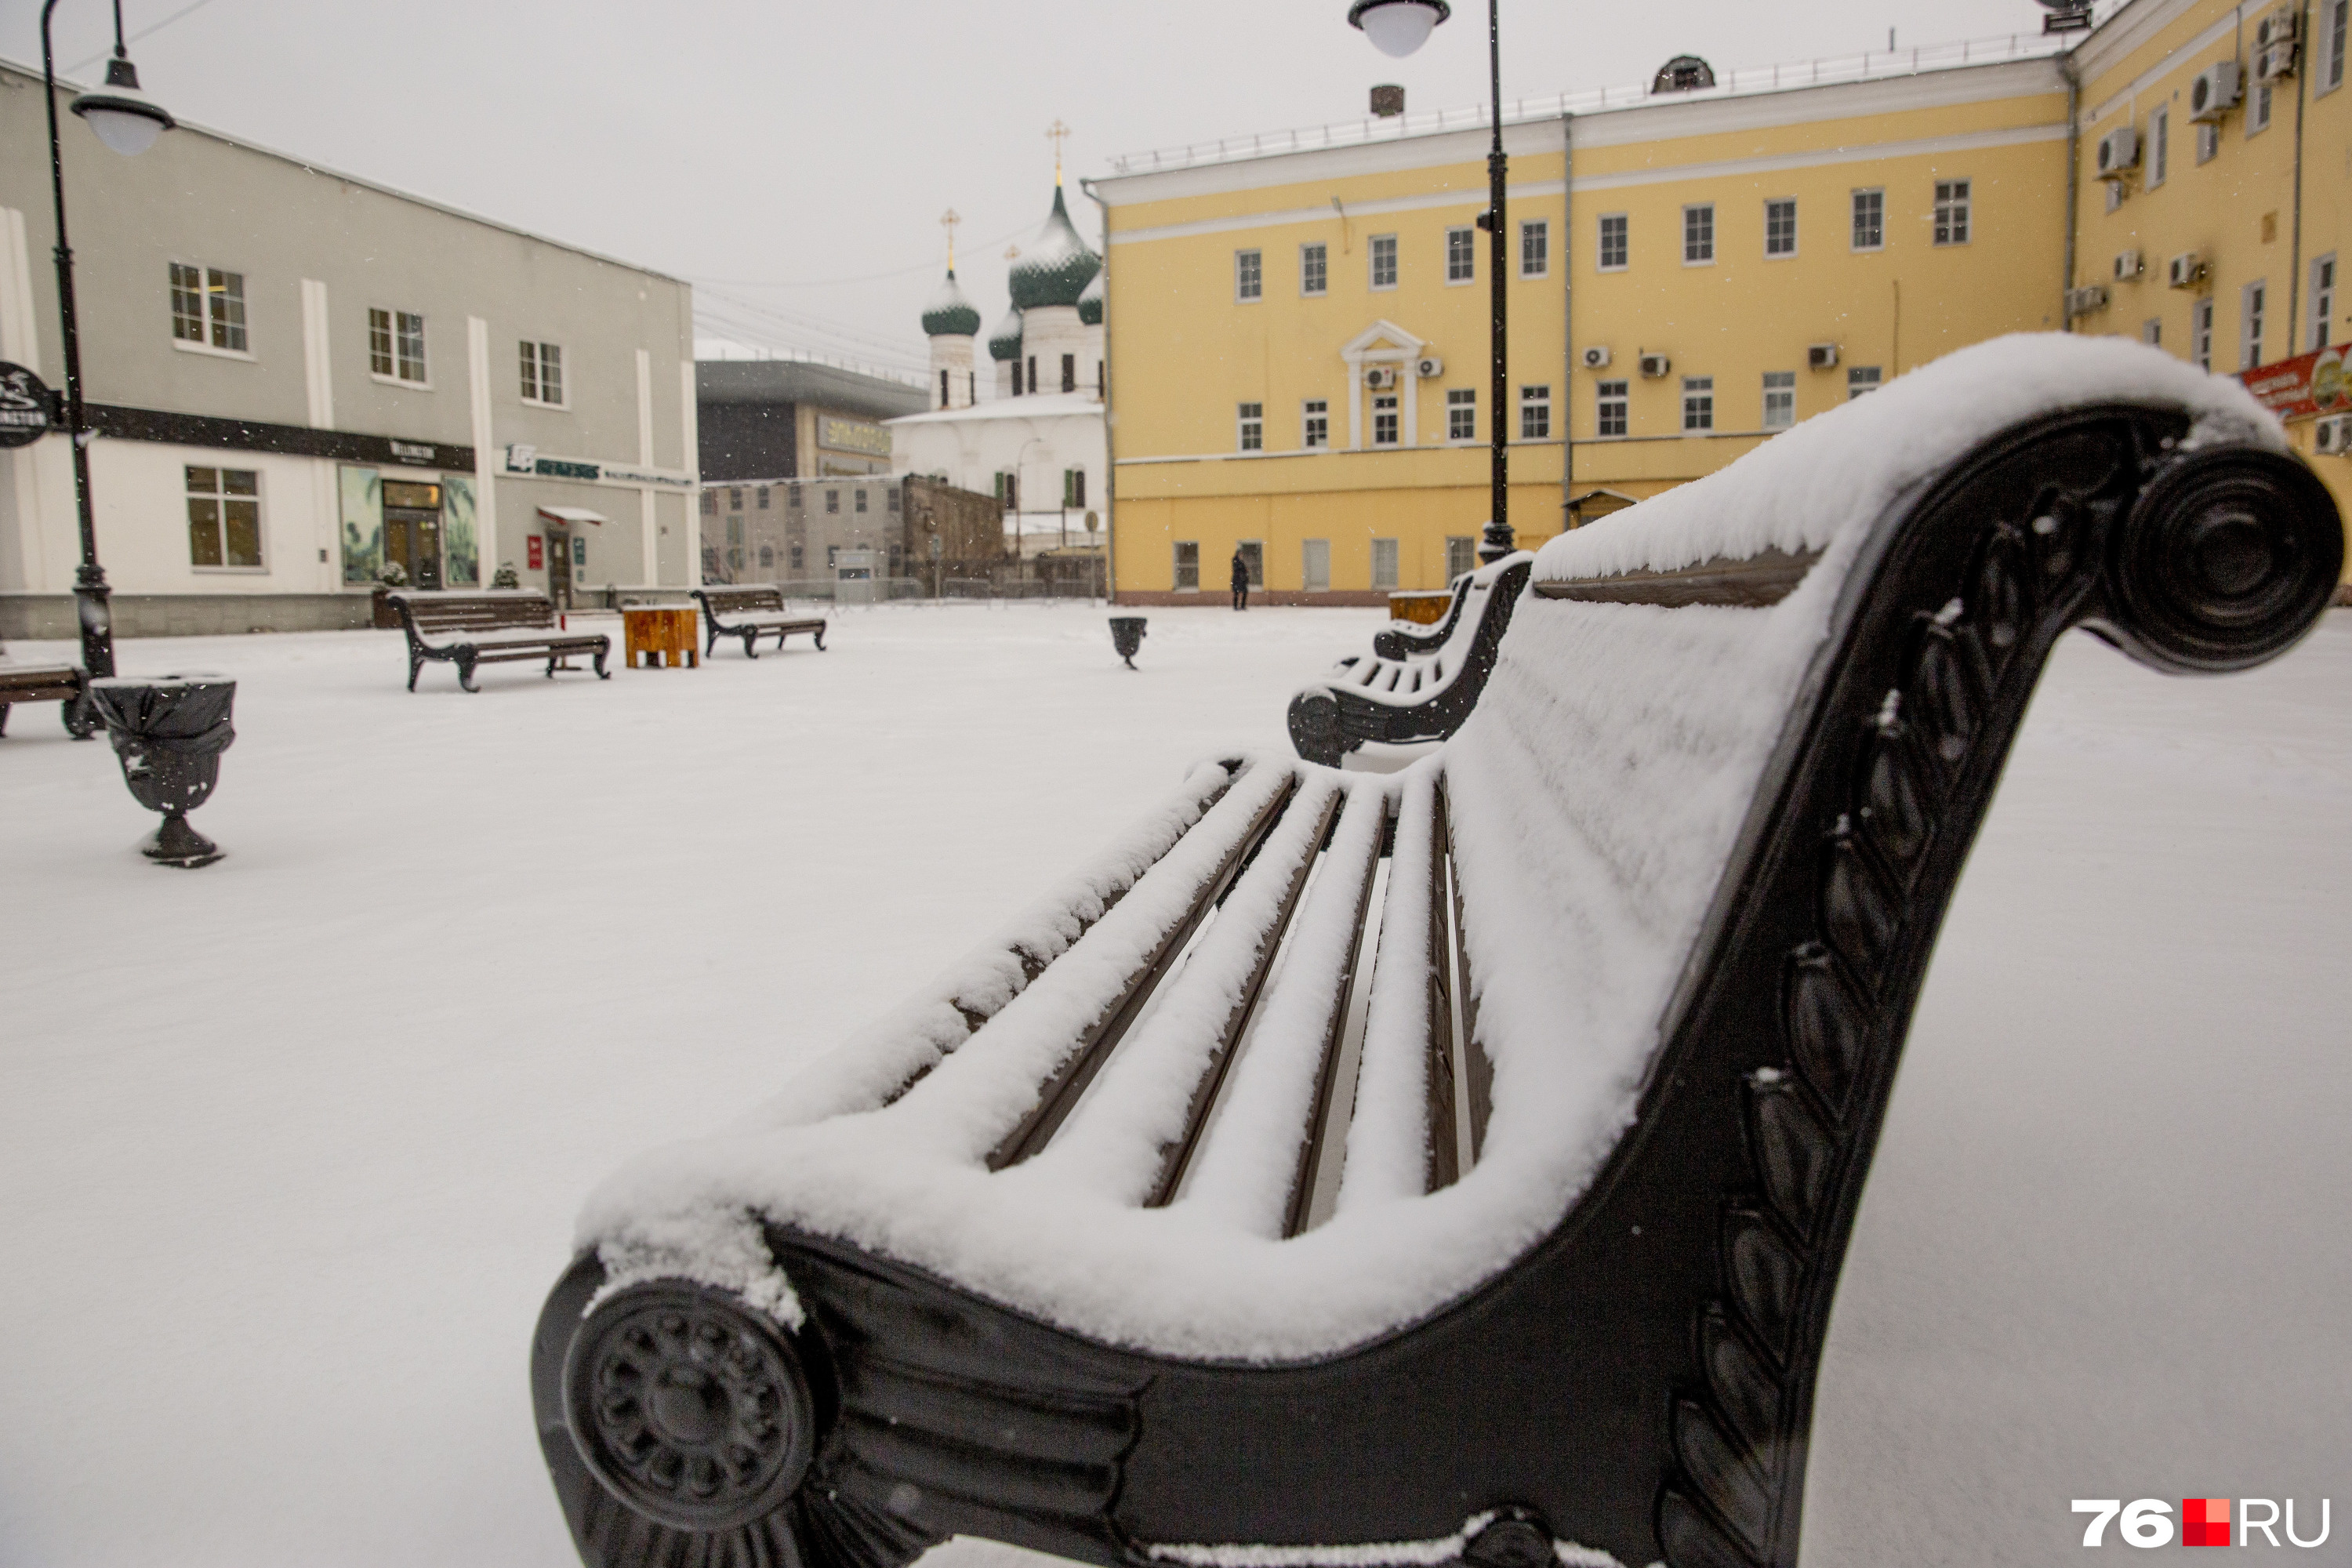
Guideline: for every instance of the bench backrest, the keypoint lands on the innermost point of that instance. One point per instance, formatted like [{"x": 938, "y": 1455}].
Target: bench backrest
[
  {"x": 741, "y": 596},
  {"x": 438, "y": 613}
]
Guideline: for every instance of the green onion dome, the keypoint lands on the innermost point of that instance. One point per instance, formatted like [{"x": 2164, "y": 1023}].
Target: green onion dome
[
  {"x": 1005, "y": 341},
  {"x": 1090, "y": 303},
  {"x": 1058, "y": 265},
  {"x": 950, "y": 314}
]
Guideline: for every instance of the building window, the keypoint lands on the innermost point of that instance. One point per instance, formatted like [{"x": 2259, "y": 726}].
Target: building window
[
  {"x": 1614, "y": 245},
  {"x": 860, "y": 493},
  {"x": 1314, "y": 269},
  {"x": 1250, "y": 418},
  {"x": 1314, "y": 422},
  {"x": 1780, "y": 399},
  {"x": 2335, "y": 38},
  {"x": 1860, "y": 379},
  {"x": 2258, "y": 110},
  {"x": 767, "y": 557},
  {"x": 1461, "y": 414},
  {"x": 1252, "y": 555},
  {"x": 944, "y": 389},
  {"x": 1384, "y": 261},
  {"x": 797, "y": 555},
  {"x": 2200, "y": 333},
  {"x": 1249, "y": 275},
  {"x": 1534, "y": 250},
  {"x": 208, "y": 307},
  {"x": 1074, "y": 488},
  {"x": 2151, "y": 333},
  {"x": 1461, "y": 255},
  {"x": 2251, "y": 302},
  {"x": 1188, "y": 565},
  {"x": 1698, "y": 235},
  {"x": 1384, "y": 562},
  {"x": 1951, "y": 212},
  {"x": 764, "y": 498},
  {"x": 2160, "y": 147},
  {"x": 1069, "y": 373},
  {"x": 1534, "y": 413},
  {"x": 396, "y": 346},
  {"x": 1315, "y": 565},
  {"x": 892, "y": 492},
  {"x": 2322, "y": 300},
  {"x": 1031, "y": 384},
  {"x": 735, "y": 498},
  {"x": 1384, "y": 419},
  {"x": 1780, "y": 228},
  {"x": 543, "y": 374},
  {"x": 1698, "y": 403},
  {"x": 831, "y": 500},
  {"x": 2209, "y": 141},
  {"x": 1869, "y": 220},
  {"x": 1609, "y": 408},
  {"x": 710, "y": 503},
  {"x": 225, "y": 518},
  {"x": 2114, "y": 194},
  {"x": 1461, "y": 555}
]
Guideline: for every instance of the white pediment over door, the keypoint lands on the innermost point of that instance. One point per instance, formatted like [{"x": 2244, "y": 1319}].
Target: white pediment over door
[
  {"x": 1384, "y": 345},
  {"x": 1381, "y": 341}
]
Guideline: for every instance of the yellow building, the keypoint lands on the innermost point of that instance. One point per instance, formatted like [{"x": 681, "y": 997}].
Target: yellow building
[{"x": 1299, "y": 323}]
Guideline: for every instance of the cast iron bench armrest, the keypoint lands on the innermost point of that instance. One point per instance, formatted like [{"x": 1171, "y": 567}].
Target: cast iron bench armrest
[
  {"x": 501, "y": 626},
  {"x": 765, "y": 604}
]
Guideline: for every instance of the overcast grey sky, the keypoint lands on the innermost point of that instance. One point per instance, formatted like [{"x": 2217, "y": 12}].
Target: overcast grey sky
[{"x": 792, "y": 160}]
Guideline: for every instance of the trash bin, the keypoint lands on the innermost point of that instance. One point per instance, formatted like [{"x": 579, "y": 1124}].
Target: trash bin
[{"x": 169, "y": 732}]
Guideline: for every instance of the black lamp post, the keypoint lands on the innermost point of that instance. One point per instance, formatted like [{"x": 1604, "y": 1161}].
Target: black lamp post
[
  {"x": 127, "y": 120},
  {"x": 1398, "y": 27}
]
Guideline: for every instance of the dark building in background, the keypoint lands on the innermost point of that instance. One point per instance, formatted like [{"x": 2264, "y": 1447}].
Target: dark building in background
[{"x": 768, "y": 419}]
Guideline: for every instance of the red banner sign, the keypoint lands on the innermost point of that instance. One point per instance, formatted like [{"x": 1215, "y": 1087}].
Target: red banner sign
[
  {"x": 536, "y": 552},
  {"x": 2304, "y": 387}
]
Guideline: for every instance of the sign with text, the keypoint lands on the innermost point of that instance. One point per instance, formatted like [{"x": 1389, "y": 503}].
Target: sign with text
[
  {"x": 852, "y": 436},
  {"x": 522, "y": 457},
  {"x": 2305, "y": 386},
  {"x": 27, "y": 408}
]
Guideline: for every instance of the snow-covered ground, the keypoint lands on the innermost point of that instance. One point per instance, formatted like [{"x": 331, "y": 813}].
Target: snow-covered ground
[{"x": 290, "y": 1147}]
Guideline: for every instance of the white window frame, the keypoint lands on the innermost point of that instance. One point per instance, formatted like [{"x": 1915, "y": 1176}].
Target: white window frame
[
  {"x": 1862, "y": 380},
  {"x": 1698, "y": 405},
  {"x": 1249, "y": 276},
  {"x": 2201, "y": 333},
  {"x": 2254, "y": 312},
  {"x": 1316, "y": 284},
  {"x": 1954, "y": 198},
  {"x": 1769, "y": 203},
  {"x": 2333, "y": 23},
  {"x": 2159, "y": 145},
  {"x": 1698, "y": 232},
  {"x": 1375, "y": 248},
  {"x": 1612, "y": 396},
  {"x": 1624, "y": 224},
  {"x": 2259, "y": 109},
  {"x": 1395, "y": 411},
  {"x": 395, "y": 328},
  {"x": 1315, "y": 423},
  {"x": 1461, "y": 255},
  {"x": 1249, "y": 427},
  {"x": 539, "y": 364},
  {"x": 1780, "y": 397},
  {"x": 2151, "y": 331},
  {"x": 1176, "y": 566},
  {"x": 1535, "y": 234},
  {"x": 1876, "y": 197},
  {"x": 2209, "y": 141},
  {"x": 1535, "y": 405},
  {"x": 1394, "y": 573},
  {"x": 1459, "y": 400},
  {"x": 2327, "y": 280},
  {"x": 1310, "y": 581},
  {"x": 221, "y": 495},
  {"x": 1461, "y": 554},
  {"x": 211, "y": 323}
]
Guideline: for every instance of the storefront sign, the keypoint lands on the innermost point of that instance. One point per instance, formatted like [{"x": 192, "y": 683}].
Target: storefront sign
[
  {"x": 852, "y": 436},
  {"x": 27, "y": 408},
  {"x": 535, "y": 554},
  {"x": 524, "y": 459},
  {"x": 2300, "y": 388},
  {"x": 520, "y": 456},
  {"x": 415, "y": 451}
]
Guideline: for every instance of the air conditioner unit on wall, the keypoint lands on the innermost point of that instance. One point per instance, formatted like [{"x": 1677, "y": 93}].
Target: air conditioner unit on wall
[
  {"x": 2129, "y": 266},
  {"x": 2333, "y": 435},
  {"x": 1655, "y": 365},
  {"x": 2090, "y": 297},
  {"x": 1596, "y": 357},
  {"x": 1380, "y": 377},
  {"x": 2118, "y": 153},
  {"x": 1821, "y": 356},
  {"x": 2215, "y": 91},
  {"x": 1428, "y": 365},
  {"x": 2185, "y": 271},
  {"x": 2278, "y": 27},
  {"x": 2276, "y": 63}
]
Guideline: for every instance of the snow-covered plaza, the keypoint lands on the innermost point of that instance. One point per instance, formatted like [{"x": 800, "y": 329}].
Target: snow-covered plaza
[{"x": 291, "y": 1146}]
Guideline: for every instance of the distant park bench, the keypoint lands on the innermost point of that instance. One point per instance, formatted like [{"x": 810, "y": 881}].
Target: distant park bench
[
  {"x": 62, "y": 683},
  {"x": 499, "y": 626},
  {"x": 752, "y": 611},
  {"x": 1500, "y": 1220},
  {"x": 1414, "y": 686}
]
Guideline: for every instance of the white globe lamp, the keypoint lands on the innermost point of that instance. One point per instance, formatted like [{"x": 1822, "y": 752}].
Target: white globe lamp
[
  {"x": 1397, "y": 28},
  {"x": 123, "y": 117}
]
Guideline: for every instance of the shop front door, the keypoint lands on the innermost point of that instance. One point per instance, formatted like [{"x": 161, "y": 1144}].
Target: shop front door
[
  {"x": 559, "y": 567},
  {"x": 412, "y": 530}
]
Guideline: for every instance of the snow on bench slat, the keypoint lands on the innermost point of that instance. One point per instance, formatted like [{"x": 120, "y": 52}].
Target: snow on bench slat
[{"x": 1595, "y": 794}]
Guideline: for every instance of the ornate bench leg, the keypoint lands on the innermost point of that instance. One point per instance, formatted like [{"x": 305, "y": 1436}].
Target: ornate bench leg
[
  {"x": 465, "y": 673},
  {"x": 820, "y": 639},
  {"x": 415, "y": 665},
  {"x": 601, "y": 654},
  {"x": 4, "y": 718},
  {"x": 752, "y": 644},
  {"x": 80, "y": 719}
]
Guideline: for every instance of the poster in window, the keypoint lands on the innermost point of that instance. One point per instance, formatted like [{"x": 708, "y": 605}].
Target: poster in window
[
  {"x": 362, "y": 514},
  {"x": 460, "y": 548}
]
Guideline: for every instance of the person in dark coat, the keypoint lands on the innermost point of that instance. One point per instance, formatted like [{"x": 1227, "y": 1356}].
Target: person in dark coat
[{"x": 1241, "y": 581}]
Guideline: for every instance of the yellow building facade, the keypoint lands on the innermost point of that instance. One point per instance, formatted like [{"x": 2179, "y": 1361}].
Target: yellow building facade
[{"x": 1299, "y": 339}]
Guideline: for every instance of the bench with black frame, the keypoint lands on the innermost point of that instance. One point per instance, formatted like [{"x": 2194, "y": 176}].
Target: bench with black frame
[
  {"x": 502, "y": 626},
  {"x": 1501, "y": 1220},
  {"x": 1415, "y": 686},
  {"x": 752, "y": 611},
  {"x": 61, "y": 683}
]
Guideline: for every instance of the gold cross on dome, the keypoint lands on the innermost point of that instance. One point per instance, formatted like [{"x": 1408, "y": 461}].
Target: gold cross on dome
[
  {"x": 1057, "y": 134},
  {"x": 948, "y": 220}
]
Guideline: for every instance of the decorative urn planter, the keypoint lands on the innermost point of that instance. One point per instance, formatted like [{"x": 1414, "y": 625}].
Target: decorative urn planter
[
  {"x": 1126, "y": 637},
  {"x": 169, "y": 732}
]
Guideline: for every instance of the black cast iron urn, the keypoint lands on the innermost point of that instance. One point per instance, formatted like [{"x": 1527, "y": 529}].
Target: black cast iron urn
[
  {"x": 1126, "y": 637},
  {"x": 169, "y": 732}
]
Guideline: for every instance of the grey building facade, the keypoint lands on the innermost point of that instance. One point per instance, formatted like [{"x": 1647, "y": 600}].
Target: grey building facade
[
  {"x": 792, "y": 419},
  {"x": 296, "y": 377}
]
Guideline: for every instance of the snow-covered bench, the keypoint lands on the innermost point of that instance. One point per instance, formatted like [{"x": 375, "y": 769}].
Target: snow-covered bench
[
  {"x": 752, "y": 611},
  {"x": 1413, "y": 687},
  {"x": 64, "y": 684},
  {"x": 1352, "y": 1170},
  {"x": 496, "y": 627}
]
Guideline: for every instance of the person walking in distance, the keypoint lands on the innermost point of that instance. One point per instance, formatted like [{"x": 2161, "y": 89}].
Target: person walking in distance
[{"x": 1241, "y": 580}]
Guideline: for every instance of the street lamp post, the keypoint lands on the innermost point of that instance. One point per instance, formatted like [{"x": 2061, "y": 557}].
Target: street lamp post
[
  {"x": 128, "y": 121},
  {"x": 1398, "y": 27}
]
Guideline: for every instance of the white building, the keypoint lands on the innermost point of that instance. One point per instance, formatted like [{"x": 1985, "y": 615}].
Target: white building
[{"x": 1039, "y": 443}]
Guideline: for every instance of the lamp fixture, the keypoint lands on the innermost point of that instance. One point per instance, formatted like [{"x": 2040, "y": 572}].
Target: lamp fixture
[{"x": 1397, "y": 28}]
